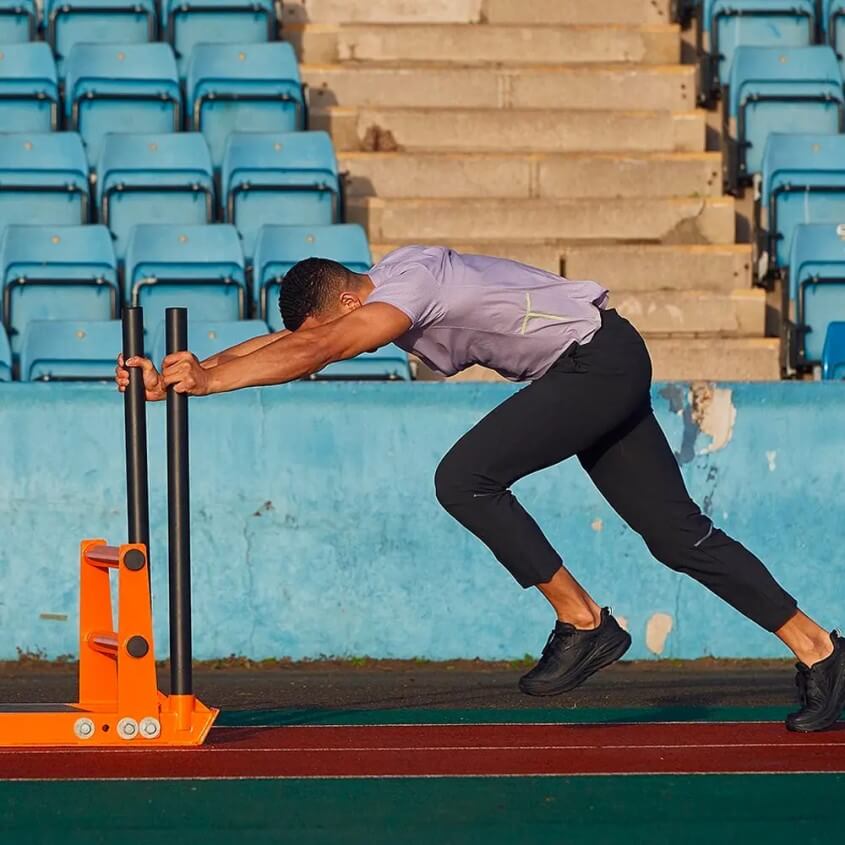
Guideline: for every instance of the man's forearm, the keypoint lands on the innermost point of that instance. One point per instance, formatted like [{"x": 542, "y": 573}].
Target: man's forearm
[
  {"x": 242, "y": 349},
  {"x": 284, "y": 359}
]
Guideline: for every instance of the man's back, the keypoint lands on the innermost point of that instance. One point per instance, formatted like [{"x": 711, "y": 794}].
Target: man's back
[{"x": 475, "y": 309}]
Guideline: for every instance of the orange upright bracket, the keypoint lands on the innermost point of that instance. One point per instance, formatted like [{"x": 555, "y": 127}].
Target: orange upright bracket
[{"x": 119, "y": 702}]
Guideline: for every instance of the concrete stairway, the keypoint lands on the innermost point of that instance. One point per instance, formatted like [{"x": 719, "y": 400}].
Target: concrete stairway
[{"x": 562, "y": 133}]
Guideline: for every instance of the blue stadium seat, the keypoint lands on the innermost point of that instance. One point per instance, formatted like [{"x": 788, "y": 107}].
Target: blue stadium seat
[
  {"x": 29, "y": 88},
  {"x": 43, "y": 179},
  {"x": 289, "y": 179},
  {"x": 153, "y": 179},
  {"x": 70, "y": 22},
  {"x": 278, "y": 248},
  {"x": 208, "y": 337},
  {"x": 389, "y": 363},
  {"x": 55, "y": 273},
  {"x": 803, "y": 181},
  {"x": 833, "y": 357},
  {"x": 833, "y": 26},
  {"x": 18, "y": 21},
  {"x": 798, "y": 89},
  {"x": 5, "y": 357},
  {"x": 187, "y": 23},
  {"x": 243, "y": 88},
  {"x": 197, "y": 267},
  {"x": 121, "y": 88},
  {"x": 70, "y": 350},
  {"x": 725, "y": 25},
  {"x": 816, "y": 289}
]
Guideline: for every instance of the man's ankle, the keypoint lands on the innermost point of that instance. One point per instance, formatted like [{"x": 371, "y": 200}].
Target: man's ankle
[{"x": 583, "y": 621}]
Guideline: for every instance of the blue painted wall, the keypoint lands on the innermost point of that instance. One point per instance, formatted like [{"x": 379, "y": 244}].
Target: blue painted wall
[{"x": 316, "y": 531}]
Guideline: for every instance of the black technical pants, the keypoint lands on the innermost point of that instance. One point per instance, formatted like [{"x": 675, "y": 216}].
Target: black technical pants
[{"x": 595, "y": 403}]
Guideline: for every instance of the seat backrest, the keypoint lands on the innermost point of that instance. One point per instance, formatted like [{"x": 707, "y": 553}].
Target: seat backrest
[
  {"x": 818, "y": 250},
  {"x": 5, "y": 357},
  {"x": 208, "y": 338},
  {"x": 792, "y": 71},
  {"x": 28, "y": 69},
  {"x": 801, "y": 160},
  {"x": 43, "y": 179},
  {"x": 243, "y": 69},
  {"x": 833, "y": 357},
  {"x": 70, "y": 349},
  {"x": 184, "y": 252},
  {"x": 57, "y": 252},
  {"x": 19, "y": 23},
  {"x": 295, "y": 159},
  {"x": 151, "y": 160},
  {"x": 120, "y": 69},
  {"x": 278, "y": 248},
  {"x": 43, "y": 159},
  {"x": 390, "y": 363}
]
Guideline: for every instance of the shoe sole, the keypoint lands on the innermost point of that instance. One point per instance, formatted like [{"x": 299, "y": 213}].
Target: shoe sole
[{"x": 600, "y": 661}]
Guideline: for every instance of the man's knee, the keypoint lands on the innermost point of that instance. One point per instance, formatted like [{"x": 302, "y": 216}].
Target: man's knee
[
  {"x": 459, "y": 480},
  {"x": 673, "y": 544}
]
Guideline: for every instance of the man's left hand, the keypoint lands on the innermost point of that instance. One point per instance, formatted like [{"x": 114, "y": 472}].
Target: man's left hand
[{"x": 184, "y": 372}]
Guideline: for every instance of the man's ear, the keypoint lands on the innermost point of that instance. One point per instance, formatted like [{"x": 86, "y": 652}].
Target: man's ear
[{"x": 350, "y": 301}]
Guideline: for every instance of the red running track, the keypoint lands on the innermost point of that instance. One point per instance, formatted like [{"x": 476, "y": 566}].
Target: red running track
[{"x": 450, "y": 750}]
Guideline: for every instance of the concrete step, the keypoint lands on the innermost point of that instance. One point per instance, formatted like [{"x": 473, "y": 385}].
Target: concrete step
[
  {"x": 576, "y": 11},
  {"x": 637, "y": 268},
  {"x": 709, "y": 220},
  {"x": 477, "y": 11},
  {"x": 633, "y": 268},
  {"x": 546, "y": 256},
  {"x": 509, "y": 175},
  {"x": 655, "y": 44},
  {"x": 601, "y": 87},
  {"x": 694, "y": 359},
  {"x": 739, "y": 313},
  {"x": 507, "y": 130},
  {"x": 715, "y": 359}
]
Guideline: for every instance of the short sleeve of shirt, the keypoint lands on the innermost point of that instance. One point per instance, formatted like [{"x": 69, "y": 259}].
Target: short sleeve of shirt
[{"x": 414, "y": 291}]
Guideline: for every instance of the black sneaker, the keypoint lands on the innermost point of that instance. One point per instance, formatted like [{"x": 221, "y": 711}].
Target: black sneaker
[
  {"x": 570, "y": 656},
  {"x": 822, "y": 689}
]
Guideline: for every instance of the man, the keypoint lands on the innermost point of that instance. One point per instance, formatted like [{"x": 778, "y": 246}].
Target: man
[{"x": 589, "y": 374}]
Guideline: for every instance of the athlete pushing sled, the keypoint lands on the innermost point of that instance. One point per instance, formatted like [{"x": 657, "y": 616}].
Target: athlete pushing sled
[{"x": 589, "y": 396}]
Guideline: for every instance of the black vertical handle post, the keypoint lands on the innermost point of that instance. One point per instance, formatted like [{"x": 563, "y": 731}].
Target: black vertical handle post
[
  {"x": 178, "y": 512},
  {"x": 135, "y": 419}
]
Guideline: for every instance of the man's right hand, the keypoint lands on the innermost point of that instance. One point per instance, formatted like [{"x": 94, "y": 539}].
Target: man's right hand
[{"x": 153, "y": 382}]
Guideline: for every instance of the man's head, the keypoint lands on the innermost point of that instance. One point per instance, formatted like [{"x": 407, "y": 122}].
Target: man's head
[{"x": 317, "y": 290}]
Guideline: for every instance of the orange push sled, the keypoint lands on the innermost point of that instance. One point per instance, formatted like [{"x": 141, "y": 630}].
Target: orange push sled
[{"x": 119, "y": 702}]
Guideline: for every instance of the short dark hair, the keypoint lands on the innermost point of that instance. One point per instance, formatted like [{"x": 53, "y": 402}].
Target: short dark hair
[{"x": 309, "y": 288}]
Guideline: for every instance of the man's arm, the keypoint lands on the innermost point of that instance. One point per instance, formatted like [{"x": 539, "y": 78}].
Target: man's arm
[
  {"x": 241, "y": 349},
  {"x": 292, "y": 356}
]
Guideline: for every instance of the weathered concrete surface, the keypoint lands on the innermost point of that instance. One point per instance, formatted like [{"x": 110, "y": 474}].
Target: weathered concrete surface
[
  {"x": 660, "y": 220},
  {"x": 487, "y": 44},
  {"x": 602, "y": 87},
  {"x": 316, "y": 530},
  {"x": 648, "y": 268},
  {"x": 740, "y": 313},
  {"x": 576, "y": 11},
  {"x": 522, "y": 176},
  {"x": 686, "y": 358},
  {"x": 509, "y": 130},
  {"x": 477, "y": 11}
]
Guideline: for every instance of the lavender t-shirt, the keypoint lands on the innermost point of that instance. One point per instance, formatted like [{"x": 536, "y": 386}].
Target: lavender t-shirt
[{"x": 474, "y": 309}]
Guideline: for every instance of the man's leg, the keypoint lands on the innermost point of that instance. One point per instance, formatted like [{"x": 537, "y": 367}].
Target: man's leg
[{"x": 636, "y": 471}]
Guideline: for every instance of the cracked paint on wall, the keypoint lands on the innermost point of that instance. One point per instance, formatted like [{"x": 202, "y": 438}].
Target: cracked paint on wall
[
  {"x": 657, "y": 631},
  {"x": 706, "y": 410}
]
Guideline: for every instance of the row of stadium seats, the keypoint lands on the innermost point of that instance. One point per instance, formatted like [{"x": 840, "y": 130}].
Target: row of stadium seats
[
  {"x": 183, "y": 23},
  {"x": 796, "y": 89},
  {"x": 71, "y": 272},
  {"x": 281, "y": 178},
  {"x": 136, "y": 88},
  {"x": 76, "y": 350},
  {"x": 726, "y": 25}
]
